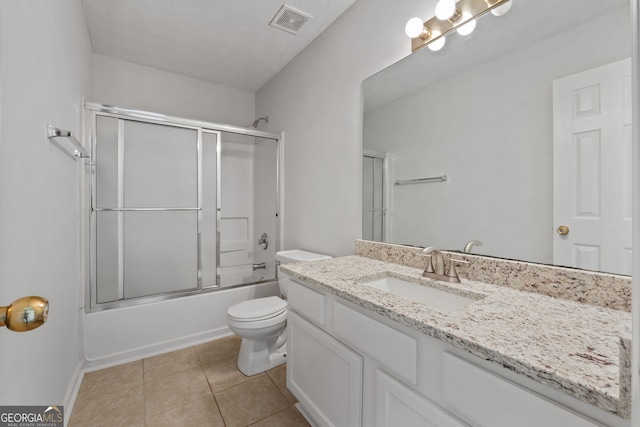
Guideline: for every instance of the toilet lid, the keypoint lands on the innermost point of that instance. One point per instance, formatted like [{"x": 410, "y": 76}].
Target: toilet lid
[{"x": 257, "y": 309}]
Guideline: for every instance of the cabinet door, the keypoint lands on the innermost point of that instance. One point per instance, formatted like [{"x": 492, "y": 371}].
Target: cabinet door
[
  {"x": 323, "y": 374},
  {"x": 398, "y": 406},
  {"x": 489, "y": 400}
]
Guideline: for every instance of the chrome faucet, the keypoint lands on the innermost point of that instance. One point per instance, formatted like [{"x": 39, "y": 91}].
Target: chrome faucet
[
  {"x": 471, "y": 244},
  {"x": 436, "y": 266}
]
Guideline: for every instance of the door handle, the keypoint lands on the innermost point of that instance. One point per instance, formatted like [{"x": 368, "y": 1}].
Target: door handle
[
  {"x": 563, "y": 230},
  {"x": 25, "y": 314}
]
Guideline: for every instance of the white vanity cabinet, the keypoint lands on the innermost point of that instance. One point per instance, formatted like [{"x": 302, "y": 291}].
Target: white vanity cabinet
[
  {"x": 351, "y": 367},
  {"x": 326, "y": 372}
]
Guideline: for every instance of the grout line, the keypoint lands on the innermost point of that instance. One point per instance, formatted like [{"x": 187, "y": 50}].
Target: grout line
[
  {"x": 269, "y": 416},
  {"x": 278, "y": 387},
  {"x": 219, "y": 411}
]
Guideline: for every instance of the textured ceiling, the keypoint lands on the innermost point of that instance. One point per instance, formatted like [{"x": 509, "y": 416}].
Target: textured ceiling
[{"x": 227, "y": 42}]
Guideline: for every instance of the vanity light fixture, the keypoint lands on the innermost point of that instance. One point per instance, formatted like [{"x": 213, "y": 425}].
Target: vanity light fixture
[{"x": 451, "y": 15}]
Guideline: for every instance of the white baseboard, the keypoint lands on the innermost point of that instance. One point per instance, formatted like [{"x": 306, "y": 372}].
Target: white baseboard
[
  {"x": 155, "y": 349},
  {"x": 72, "y": 391}
]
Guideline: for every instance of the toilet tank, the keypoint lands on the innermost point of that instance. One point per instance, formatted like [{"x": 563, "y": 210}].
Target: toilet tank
[{"x": 293, "y": 255}]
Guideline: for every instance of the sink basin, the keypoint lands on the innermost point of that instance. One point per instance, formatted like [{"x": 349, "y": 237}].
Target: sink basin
[{"x": 434, "y": 298}]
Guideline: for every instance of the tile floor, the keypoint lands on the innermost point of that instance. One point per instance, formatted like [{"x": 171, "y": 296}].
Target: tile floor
[{"x": 197, "y": 386}]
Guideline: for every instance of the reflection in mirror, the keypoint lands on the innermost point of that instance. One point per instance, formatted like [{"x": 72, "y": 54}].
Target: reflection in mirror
[{"x": 483, "y": 112}]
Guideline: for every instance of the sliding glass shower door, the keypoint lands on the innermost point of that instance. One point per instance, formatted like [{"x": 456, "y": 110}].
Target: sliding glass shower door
[
  {"x": 154, "y": 209},
  {"x": 373, "y": 200},
  {"x": 177, "y": 207}
]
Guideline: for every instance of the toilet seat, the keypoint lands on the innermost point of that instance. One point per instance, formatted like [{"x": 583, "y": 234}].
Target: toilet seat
[
  {"x": 235, "y": 325},
  {"x": 256, "y": 310}
]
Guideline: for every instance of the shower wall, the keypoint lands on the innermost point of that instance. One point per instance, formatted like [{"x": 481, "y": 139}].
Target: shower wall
[
  {"x": 248, "y": 208},
  {"x": 265, "y": 206}
]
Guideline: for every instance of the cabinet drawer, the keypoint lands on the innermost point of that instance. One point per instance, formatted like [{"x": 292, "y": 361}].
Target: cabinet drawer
[
  {"x": 491, "y": 401},
  {"x": 306, "y": 302},
  {"x": 397, "y": 352}
]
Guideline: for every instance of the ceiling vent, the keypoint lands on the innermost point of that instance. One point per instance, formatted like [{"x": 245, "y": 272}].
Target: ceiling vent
[{"x": 289, "y": 19}]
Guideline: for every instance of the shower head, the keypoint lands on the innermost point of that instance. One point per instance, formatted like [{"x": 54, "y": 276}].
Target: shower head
[{"x": 255, "y": 124}]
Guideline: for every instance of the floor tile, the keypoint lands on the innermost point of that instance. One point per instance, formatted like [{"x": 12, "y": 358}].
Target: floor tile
[
  {"x": 170, "y": 363},
  {"x": 279, "y": 377},
  {"x": 287, "y": 418},
  {"x": 219, "y": 349},
  {"x": 250, "y": 402},
  {"x": 112, "y": 380},
  {"x": 224, "y": 374},
  {"x": 177, "y": 389},
  {"x": 201, "y": 413},
  {"x": 122, "y": 408}
]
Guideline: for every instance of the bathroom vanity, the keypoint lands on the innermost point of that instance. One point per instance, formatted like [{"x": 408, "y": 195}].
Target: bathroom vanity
[{"x": 473, "y": 353}]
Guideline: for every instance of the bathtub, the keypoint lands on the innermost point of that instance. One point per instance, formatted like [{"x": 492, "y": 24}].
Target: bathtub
[{"x": 126, "y": 334}]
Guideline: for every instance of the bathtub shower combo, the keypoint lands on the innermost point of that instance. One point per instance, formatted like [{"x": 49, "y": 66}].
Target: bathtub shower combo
[{"x": 177, "y": 207}]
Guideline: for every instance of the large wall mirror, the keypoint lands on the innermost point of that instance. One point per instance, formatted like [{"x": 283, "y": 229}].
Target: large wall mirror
[{"x": 529, "y": 118}]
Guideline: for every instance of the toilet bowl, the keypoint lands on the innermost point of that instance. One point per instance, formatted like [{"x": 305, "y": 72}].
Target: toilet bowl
[{"x": 261, "y": 322}]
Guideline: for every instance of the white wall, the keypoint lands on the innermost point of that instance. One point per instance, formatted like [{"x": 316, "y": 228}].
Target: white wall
[
  {"x": 45, "y": 71},
  {"x": 491, "y": 132},
  {"x": 317, "y": 100},
  {"x": 128, "y": 85}
]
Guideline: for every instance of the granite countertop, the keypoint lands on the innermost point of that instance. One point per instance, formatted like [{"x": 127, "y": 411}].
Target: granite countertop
[{"x": 576, "y": 348}]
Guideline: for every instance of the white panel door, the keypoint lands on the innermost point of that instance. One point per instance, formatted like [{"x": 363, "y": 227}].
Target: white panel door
[
  {"x": 592, "y": 169},
  {"x": 398, "y": 406},
  {"x": 323, "y": 374}
]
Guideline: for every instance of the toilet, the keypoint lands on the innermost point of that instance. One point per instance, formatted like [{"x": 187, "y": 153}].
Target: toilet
[{"x": 261, "y": 322}]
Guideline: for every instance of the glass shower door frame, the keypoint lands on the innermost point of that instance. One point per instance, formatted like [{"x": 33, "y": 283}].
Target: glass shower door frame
[
  {"x": 383, "y": 192},
  {"x": 202, "y": 128}
]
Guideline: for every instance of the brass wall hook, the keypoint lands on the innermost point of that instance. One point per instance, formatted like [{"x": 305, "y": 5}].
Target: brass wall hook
[{"x": 25, "y": 314}]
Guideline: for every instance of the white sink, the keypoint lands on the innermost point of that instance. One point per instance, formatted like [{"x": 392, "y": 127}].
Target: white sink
[{"x": 435, "y": 298}]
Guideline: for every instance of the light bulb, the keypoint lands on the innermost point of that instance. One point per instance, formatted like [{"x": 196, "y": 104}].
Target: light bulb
[
  {"x": 502, "y": 9},
  {"x": 414, "y": 28},
  {"x": 445, "y": 9},
  {"x": 466, "y": 29},
  {"x": 438, "y": 44}
]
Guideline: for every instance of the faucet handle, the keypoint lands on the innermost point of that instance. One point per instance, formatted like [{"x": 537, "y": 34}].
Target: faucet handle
[
  {"x": 429, "y": 267},
  {"x": 452, "y": 273}
]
